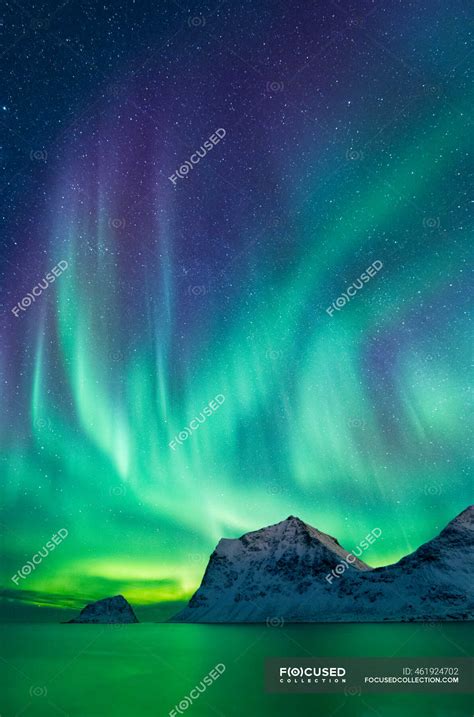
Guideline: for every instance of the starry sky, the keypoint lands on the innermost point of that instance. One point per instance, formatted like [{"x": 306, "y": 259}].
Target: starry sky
[{"x": 347, "y": 142}]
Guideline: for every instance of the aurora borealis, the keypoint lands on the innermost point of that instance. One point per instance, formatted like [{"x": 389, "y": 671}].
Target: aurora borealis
[{"x": 347, "y": 141}]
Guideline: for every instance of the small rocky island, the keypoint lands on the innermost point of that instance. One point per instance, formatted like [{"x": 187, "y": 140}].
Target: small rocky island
[{"x": 109, "y": 611}]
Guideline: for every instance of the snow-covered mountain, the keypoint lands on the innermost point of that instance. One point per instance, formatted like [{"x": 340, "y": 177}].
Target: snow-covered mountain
[
  {"x": 109, "y": 611},
  {"x": 294, "y": 573}
]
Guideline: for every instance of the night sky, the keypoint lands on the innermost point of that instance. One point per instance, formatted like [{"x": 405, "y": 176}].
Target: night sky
[{"x": 347, "y": 138}]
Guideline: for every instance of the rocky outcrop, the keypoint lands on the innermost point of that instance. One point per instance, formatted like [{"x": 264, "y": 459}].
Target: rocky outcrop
[{"x": 112, "y": 610}]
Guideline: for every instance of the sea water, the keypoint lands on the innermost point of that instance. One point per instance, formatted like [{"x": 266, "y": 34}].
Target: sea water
[{"x": 150, "y": 669}]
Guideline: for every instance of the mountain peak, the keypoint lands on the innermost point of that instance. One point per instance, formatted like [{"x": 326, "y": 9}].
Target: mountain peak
[
  {"x": 296, "y": 522},
  {"x": 290, "y": 529},
  {"x": 291, "y": 533}
]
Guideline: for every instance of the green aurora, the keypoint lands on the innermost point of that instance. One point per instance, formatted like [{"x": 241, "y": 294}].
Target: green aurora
[{"x": 351, "y": 422}]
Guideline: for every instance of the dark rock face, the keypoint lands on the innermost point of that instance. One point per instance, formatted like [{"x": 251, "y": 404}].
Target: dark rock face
[
  {"x": 282, "y": 572},
  {"x": 108, "y": 611}
]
